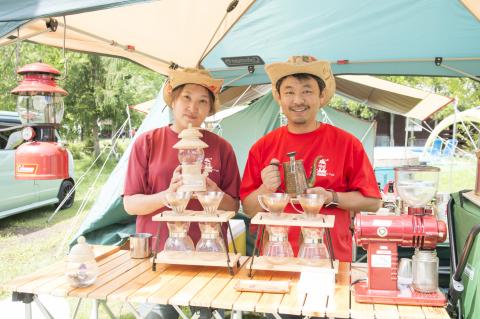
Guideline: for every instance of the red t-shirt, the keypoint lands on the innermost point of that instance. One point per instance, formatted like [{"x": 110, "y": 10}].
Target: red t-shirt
[
  {"x": 152, "y": 162},
  {"x": 344, "y": 167}
]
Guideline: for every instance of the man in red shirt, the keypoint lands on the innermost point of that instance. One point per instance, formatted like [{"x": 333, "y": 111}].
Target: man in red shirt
[{"x": 343, "y": 175}]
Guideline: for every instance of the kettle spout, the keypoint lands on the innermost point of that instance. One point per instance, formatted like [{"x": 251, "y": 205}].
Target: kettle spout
[{"x": 311, "y": 179}]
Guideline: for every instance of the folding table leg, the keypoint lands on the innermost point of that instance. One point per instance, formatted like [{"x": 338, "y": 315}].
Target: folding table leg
[
  {"x": 94, "y": 313},
  {"x": 28, "y": 311},
  {"x": 107, "y": 308},
  {"x": 42, "y": 308},
  {"x": 180, "y": 312}
]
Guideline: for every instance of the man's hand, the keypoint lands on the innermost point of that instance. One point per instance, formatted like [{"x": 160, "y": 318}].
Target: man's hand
[
  {"x": 271, "y": 176},
  {"x": 322, "y": 192}
]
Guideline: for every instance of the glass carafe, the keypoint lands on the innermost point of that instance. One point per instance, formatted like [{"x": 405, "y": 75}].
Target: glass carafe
[
  {"x": 210, "y": 240},
  {"x": 313, "y": 249},
  {"x": 277, "y": 244},
  {"x": 178, "y": 239}
]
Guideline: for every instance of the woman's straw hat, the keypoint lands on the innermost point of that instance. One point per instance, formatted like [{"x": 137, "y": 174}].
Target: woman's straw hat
[
  {"x": 303, "y": 64},
  {"x": 201, "y": 77}
]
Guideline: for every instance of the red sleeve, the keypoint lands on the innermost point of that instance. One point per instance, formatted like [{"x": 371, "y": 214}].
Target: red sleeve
[
  {"x": 136, "y": 181},
  {"x": 230, "y": 179},
  {"x": 360, "y": 175},
  {"x": 252, "y": 178}
]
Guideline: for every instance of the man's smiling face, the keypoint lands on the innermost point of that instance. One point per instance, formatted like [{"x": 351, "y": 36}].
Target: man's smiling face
[{"x": 300, "y": 100}]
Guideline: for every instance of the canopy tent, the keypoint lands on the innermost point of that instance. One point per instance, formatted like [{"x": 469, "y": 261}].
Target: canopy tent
[
  {"x": 107, "y": 221},
  {"x": 366, "y": 37}
]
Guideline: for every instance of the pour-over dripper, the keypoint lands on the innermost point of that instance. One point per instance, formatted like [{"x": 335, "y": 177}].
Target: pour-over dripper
[
  {"x": 274, "y": 203},
  {"x": 311, "y": 205},
  {"x": 210, "y": 201},
  {"x": 177, "y": 201},
  {"x": 416, "y": 184}
]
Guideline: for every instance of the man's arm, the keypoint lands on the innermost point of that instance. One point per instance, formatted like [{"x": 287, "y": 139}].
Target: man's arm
[
  {"x": 270, "y": 182},
  {"x": 349, "y": 200}
]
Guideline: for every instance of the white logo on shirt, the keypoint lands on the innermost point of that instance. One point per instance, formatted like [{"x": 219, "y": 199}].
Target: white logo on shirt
[
  {"x": 207, "y": 165},
  {"x": 322, "y": 168}
]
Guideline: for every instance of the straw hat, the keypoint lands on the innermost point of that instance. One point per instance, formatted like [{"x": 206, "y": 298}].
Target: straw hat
[
  {"x": 192, "y": 76},
  {"x": 303, "y": 64}
]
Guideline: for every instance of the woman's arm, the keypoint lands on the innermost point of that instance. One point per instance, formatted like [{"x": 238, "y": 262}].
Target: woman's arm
[{"x": 142, "y": 204}]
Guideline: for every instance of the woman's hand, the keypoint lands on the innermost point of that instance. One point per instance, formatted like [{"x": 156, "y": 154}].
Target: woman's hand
[
  {"x": 212, "y": 186},
  {"x": 176, "y": 180}
]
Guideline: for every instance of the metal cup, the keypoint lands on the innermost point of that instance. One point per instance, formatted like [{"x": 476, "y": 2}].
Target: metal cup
[{"x": 140, "y": 245}]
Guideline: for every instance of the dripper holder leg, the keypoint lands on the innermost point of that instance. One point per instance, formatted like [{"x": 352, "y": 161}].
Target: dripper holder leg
[
  {"x": 157, "y": 247},
  {"x": 233, "y": 242},
  {"x": 329, "y": 246},
  {"x": 230, "y": 270}
]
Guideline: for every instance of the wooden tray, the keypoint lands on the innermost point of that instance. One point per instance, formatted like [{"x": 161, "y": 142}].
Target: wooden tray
[
  {"x": 263, "y": 218},
  {"x": 194, "y": 216},
  {"x": 269, "y": 286},
  {"x": 291, "y": 264},
  {"x": 197, "y": 258}
]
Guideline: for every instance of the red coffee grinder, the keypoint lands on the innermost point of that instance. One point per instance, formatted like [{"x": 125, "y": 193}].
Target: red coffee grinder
[{"x": 381, "y": 235}]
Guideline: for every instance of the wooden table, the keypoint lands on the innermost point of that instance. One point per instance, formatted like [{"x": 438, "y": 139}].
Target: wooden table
[{"x": 133, "y": 281}]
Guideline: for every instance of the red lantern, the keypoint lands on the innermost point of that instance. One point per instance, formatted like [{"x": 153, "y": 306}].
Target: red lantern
[{"x": 40, "y": 107}]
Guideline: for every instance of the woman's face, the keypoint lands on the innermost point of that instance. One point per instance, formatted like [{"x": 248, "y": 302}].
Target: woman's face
[{"x": 191, "y": 105}]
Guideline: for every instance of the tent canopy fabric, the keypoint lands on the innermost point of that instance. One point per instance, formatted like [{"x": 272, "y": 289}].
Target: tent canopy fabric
[
  {"x": 368, "y": 37},
  {"x": 390, "y": 97},
  {"x": 355, "y": 37}
]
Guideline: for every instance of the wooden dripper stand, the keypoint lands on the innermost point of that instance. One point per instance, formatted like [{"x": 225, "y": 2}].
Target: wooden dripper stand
[
  {"x": 212, "y": 248},
  {"x": 277, "y": 254}
]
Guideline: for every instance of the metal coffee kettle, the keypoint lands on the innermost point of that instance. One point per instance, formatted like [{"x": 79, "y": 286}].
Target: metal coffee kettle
[{"x": 296, "y": 181}]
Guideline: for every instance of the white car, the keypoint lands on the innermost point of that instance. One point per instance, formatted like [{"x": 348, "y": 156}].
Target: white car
[{"x": 17, "y": 196}]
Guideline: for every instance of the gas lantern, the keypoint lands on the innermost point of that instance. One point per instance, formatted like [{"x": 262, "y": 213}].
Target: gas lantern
[{"x": 40, "y": 107}]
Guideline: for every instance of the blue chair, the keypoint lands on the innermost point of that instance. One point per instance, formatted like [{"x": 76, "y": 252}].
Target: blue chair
[
  {"x": 436, "y": 149},
  {"x": 449, "y": 149}
]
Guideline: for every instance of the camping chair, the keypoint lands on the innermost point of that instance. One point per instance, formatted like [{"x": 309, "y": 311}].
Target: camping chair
[
  {"x": 449, "y": 149},
  {"x": 436, "y": 149}
]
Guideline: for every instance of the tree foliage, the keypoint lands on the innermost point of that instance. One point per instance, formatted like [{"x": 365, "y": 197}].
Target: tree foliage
[{"x": 100, "y": 88}]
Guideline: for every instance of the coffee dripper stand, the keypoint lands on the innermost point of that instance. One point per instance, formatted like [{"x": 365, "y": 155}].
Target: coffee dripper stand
[
  {"x": 276, "y": 222},
  {"x": 210, "y": 221}
]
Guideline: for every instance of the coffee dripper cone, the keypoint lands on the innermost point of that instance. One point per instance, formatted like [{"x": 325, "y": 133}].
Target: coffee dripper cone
[
  {"x": 210, "y": 201},
  {"x": 311, "y": 205},
  {"x": 274, "y": 203}
]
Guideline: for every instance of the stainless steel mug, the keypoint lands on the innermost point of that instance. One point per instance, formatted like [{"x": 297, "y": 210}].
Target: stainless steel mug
[{"x": 140, "y": 245}]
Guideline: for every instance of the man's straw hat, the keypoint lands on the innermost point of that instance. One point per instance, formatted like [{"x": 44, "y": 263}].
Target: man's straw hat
[
  {"x": 303, "y": 64},
  {"x": 192, "y": 76}
]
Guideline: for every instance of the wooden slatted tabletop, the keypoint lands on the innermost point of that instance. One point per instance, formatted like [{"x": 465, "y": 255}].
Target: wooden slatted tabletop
[{"x": 132, "y": 280}]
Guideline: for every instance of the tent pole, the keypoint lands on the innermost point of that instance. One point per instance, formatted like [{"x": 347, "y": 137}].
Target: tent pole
[
  {"x": 471, "y": 76},
  {"x": 25, "y": 37},
  {"x": 392, "y": 130}
]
